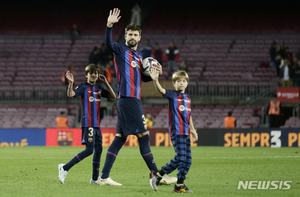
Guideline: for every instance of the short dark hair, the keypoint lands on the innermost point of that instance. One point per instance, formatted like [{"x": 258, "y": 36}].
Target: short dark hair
[
  {"x": 91, "y": 68},
  {"x": 230, "y": 113},
  {"x": 133, "y": 27}
]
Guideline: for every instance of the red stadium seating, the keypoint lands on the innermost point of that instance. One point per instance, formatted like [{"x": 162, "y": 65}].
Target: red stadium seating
[
  {"x": 226, "y": 52},
  {"x": 35, "y": 116}
]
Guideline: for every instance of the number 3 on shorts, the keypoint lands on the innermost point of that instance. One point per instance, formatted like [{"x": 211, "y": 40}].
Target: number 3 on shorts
[
  {"x": 91, "y": 132},
  {"x": 144, "y": 121}
]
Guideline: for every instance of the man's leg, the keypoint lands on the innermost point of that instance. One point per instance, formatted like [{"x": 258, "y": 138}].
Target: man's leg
[
  {"x": 170, "y": 166},
  {"x": 144, "y": 144},
  {"x": 111, "y": 155}
]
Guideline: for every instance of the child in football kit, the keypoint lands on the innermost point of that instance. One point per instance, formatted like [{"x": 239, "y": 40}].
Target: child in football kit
[
  {"x": 90, "y": 95},
  {"x": 180, "y": 126}
]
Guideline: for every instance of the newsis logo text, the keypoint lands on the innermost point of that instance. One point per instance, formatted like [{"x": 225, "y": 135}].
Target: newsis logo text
[{"x": 264, "y": 185}]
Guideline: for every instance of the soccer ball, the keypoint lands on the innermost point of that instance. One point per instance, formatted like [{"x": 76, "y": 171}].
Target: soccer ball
[{"x": 147, "y": 64}]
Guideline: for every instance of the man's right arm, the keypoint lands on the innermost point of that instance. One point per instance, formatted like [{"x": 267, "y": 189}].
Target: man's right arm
[
  {"x": 108, "y": 37},
  {"x": 109, "y": 25},
  {"x": 114, "y": 17}
]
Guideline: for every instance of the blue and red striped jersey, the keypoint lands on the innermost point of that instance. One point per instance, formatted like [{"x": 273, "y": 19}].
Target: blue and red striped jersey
[
  {"x": 90, "y": 96},
  {"x": 127, "y": 66},
  {"x": 179, "y": 112}
]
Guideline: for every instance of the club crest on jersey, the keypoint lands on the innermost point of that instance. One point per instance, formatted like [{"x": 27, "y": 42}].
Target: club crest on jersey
[
  {"x": 181, "y": 108},
  {"x": 91, "y": 99},
  {"x": 133, "y": 64}
]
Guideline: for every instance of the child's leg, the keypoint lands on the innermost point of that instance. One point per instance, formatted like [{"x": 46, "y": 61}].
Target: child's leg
[
  {"x": 97, "y": 154},
  {"x": 177, "y": 161},
  {"x": 80, "y": 156},
  {"x": 187, "y": 159},
  {"x": 96, "y": 161}
]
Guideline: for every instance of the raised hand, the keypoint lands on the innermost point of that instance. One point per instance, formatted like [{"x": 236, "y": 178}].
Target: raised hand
[
  {"x": 70, "y": 77},
  {"x": 102, "y": 78},
  {"x": 114, "y": 16},
  {"x": 154, "y": 73}
]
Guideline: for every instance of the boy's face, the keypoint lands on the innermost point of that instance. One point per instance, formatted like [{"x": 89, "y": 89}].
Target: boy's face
[
  {"x": 180, "y": 84},
  {"x": 92, "y": 77},
  {"x": 132, "y": 38}
]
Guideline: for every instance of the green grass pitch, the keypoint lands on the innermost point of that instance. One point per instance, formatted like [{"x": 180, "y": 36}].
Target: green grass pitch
[{"x": 215, "y": 171}]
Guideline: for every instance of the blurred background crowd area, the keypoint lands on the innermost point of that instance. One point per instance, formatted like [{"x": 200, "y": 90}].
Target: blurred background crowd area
[{"x": 224, "y": 46}]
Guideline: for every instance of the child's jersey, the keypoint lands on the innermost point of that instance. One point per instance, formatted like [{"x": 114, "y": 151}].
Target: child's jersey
[
  {"x": 90, "y": 96},
  {"x": 179, "y": 112}
]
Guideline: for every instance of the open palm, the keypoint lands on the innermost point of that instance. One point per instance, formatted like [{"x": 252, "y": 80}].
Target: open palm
[
  {"x": 70, "y": 77},
  {"x": 114, "y": 16},
  {"x": 153, "y": 73}
]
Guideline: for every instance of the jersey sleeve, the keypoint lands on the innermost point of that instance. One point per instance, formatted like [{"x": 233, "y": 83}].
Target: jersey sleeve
[
  {"x": 170, "y": 94},
  {"x": 79, "y": 90},
  {"x": 110, "y": 43},
  {"x": 104, "y": 93}
]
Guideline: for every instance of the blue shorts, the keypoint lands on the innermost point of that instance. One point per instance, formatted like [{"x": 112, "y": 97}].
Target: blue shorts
[
  {"x": 91, "y": 135},
  {"x": 131, "y": 118}
]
